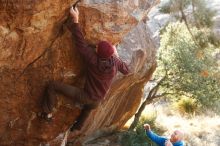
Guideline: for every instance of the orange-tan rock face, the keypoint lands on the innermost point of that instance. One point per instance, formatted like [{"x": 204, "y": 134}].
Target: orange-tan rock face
[{"x": 35, "y": 47}]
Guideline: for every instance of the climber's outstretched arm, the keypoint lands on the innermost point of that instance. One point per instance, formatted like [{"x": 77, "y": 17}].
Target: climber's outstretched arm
[{"x": 81, "y": 45}]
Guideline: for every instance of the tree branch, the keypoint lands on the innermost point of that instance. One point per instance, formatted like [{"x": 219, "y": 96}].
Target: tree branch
[
  {"x": 151, "y": 96},
  {"x": 183, "y": 17}
]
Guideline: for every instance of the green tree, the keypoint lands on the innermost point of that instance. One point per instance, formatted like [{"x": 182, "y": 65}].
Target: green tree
[
  {"x": 186, "y": 61},
  {"x": 190, "y": 70},
  {"x": 185, "y": 69},
  {"x": 191, "y": 12}
]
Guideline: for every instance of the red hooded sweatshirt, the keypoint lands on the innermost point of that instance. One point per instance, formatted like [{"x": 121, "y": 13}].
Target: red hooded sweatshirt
[{"x": 100, "y": 71}]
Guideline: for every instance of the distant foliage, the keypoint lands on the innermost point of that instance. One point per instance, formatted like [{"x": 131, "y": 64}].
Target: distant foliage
[
  {"x": 138, "y": 137},
  {"x": 197, "y": 11},
  {"x": 191, "y": 67},
  {"x": 173, "y": 6},
  {"x": 202, "y": 14},
  {"x": 187, "y": 106},
  {"x": 165, "y": 8}
]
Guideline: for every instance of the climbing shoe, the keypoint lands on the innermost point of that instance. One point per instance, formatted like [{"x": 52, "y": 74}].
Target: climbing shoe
[{"x": 45, "y": 116}]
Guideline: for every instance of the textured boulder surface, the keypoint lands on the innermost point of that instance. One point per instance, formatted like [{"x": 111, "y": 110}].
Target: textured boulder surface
[{"x": 37, "y": 47}]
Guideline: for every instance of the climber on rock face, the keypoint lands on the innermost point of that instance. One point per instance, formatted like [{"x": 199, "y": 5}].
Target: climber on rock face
[{"x": 102, "y": 65}]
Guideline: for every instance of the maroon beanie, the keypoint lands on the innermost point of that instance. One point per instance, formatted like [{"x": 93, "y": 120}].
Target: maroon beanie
[{"x": 105, "y": 49}]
